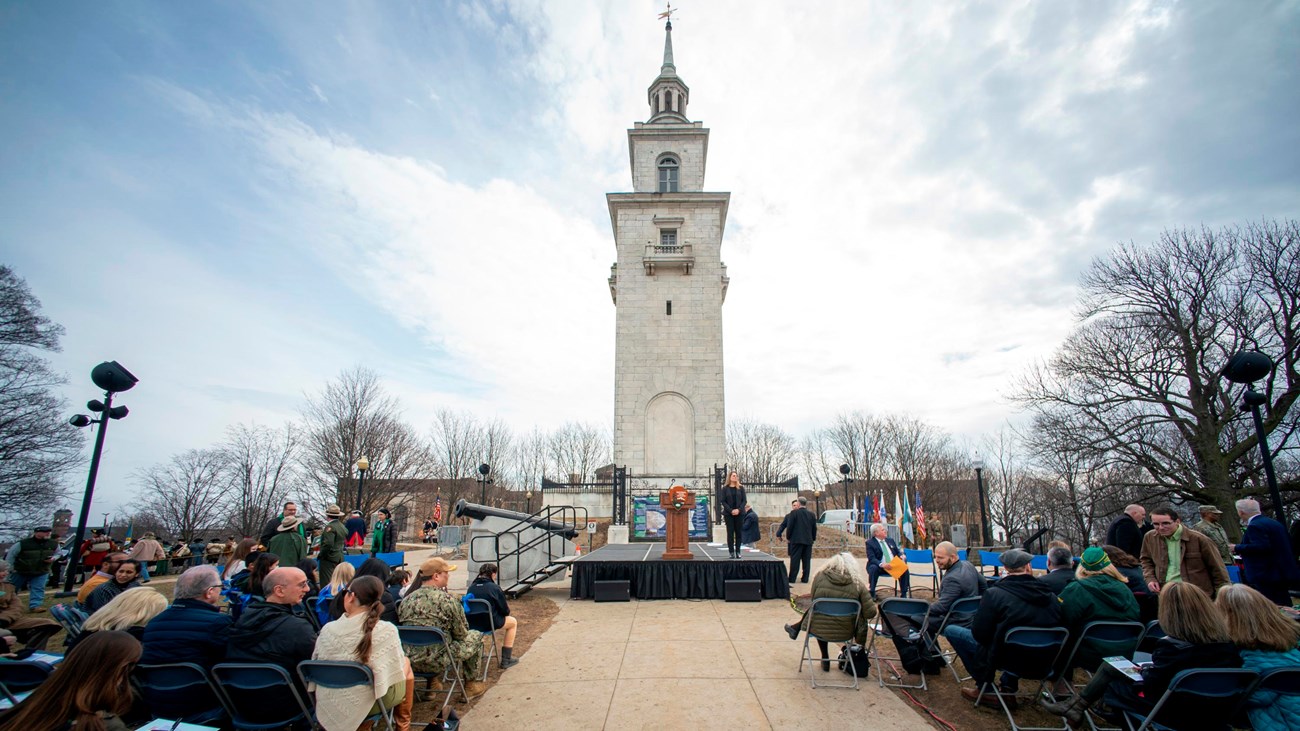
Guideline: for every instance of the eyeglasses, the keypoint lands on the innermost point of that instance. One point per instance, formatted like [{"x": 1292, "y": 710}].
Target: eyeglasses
[{"x": 1162, "y": 523}]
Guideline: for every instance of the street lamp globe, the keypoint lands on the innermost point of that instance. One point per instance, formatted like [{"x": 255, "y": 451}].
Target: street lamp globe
[{"x": 363, "y": 464}]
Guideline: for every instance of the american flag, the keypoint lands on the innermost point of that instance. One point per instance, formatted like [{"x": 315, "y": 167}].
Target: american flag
[
  {"x": 437, "y": 509},
  {"x": 920, "y": 516}
]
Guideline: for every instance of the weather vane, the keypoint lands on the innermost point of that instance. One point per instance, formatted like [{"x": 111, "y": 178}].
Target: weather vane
[{"x": 668, "y": 15}]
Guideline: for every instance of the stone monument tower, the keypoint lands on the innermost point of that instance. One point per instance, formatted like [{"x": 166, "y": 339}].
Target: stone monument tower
[{"x": 668, "y": 286}]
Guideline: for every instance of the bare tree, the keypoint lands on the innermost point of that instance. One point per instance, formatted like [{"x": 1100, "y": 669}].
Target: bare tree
[
  {"x": 261, "y": 469},
  {"x": 351, "y": 418},
  {"x": 760, "y": 452},
  {"x": 1156, "y": 325},
  {"x": 37, "y": 446},
  {"x": 186, "y": 493},
  {"x": 819, "y": 458},
  {"x": 577, "y": 449},
  {"x": 529, "y": 463},
  {"x": 1011, "y": 497},
  {"x": 861, "y": 441}
]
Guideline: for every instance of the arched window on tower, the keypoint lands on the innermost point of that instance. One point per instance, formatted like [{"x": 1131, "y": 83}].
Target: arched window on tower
[
  {"x": 668, "y": 101},
  {"x": 668, "y": 174}
]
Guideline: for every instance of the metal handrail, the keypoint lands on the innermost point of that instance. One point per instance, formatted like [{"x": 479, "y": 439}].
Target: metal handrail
[{"x": 543, "y": 515}]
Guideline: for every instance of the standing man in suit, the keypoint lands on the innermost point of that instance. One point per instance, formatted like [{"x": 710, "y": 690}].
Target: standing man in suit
[
  {"x": 801, "y": 533},
  {"x": 1126, "y": 531},
  {"x": 881, "y": 550},
  {"x": 1266, "y": 554}
]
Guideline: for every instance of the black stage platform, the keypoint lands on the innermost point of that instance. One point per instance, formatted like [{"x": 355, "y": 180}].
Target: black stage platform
[{"x": 654, "y": 578}]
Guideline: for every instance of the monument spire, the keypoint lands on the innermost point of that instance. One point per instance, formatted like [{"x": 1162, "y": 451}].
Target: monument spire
[
  {"x": 668, "y": 68},
  {"x": 668, "y": 94}
]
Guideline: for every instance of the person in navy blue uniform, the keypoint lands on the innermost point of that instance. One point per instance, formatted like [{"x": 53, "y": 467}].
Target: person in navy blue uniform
[
  {"x": 1269, "y": 566},
  {"x": 882, "y": 549},
  {"x": 732, "y": 497}
]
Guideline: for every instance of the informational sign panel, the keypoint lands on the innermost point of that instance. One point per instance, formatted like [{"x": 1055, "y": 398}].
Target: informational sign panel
[{"x": 649, "y": 521}]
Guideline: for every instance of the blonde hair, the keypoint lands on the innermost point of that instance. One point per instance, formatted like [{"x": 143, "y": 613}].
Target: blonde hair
[
  {"x": 132, "y": 608},
  {"x": 1187, "y": 613},
  {"x": 1254, "y": 622},
  {"x": 1107, "y": 570},
  {"x": 846, "y": 563},
  {"x": 343, "y": 574}
]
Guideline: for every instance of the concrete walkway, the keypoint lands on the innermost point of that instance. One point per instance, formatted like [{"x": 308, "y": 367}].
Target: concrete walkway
[{"x": 676, "y": 664}]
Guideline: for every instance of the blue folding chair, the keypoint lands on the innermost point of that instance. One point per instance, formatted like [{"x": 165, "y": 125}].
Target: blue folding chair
[
  {"x": 926, "y": 557},
  {"x": 1038, "y": 563},
  {"x": 1106, "y": 639},
  {"x": 415, "y": 636},
  {"x": 1272, "y": 684},
  {"x": 830, "y": 608},
  {"x": 339, "y": 675},
  {"x": 1234, "y": 573},
  {"x": 961, "y": 555},
  {"x": 910, "y": 613},
  {"x": 21, "y": 676},
  {"x": 1152, "y": 635},
  {"x": 990, "y": 560},
  {"x": 479, "y": 617},
  {"x": 180, "y": 692},
  {"x": 1030, "y": 653},
  {"x": 961, "y": 611},
  {"x": 265, "y": 699},
  {"x": 1205, "y": 699}
]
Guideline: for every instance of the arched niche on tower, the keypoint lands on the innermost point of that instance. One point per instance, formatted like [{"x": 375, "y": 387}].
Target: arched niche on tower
[{"x": 670, "y": 435}]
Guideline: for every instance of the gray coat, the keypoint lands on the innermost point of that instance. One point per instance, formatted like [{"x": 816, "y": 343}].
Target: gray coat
[{"x": 959, "y": 581}]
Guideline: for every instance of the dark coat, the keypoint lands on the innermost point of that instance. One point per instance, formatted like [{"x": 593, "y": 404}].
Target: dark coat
[
  {"x": 1017, "y": 600},
  {"x": 1057, "y": 579},
  {"x": 105, "y": 593},
  {"x": 1172, "y": 656},
  {"x": 272, "y": 633},
  {"x": 356, "y": 526},
  {"x": 800, "y": 527},
  {"x": 187, "y": 631},
  {"x": 749, "y": 532},
  {"x": 387, "y": 534},
  {"x": 875, "y": 554},
  {"x": 1125, "y": 533},
  {"x": 961, "y": 580},
  {"x": 485, "y": 588},
  {"x": 1096, "y": 599},
  {"x": 272, "y": 527},
  {"x": 732, "y": 498},
  {"x": 1266, "y": 554}
]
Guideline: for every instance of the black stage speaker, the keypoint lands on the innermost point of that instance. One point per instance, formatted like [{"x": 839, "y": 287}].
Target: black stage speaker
[
  {"x": 743, "y": 590},
  {"x": 614, "y": 591}
]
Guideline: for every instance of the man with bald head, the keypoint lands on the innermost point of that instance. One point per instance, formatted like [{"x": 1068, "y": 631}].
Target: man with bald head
[
  {"x": 1126, "y": 531},
  {"x": 960, "y": 580},
  {"x": 276, "y": 629},
  {"x": 1266, "y": 554}
]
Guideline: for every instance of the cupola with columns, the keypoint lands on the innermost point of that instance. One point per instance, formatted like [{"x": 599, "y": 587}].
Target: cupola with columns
[{"x": 668, "y": 95}]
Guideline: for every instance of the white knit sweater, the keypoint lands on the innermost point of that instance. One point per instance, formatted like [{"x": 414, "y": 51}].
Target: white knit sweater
[{"x": 345, "y": 709}]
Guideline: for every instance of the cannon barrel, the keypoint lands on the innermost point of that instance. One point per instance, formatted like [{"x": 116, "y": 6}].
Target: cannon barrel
[{"x": 466, "y": 509}]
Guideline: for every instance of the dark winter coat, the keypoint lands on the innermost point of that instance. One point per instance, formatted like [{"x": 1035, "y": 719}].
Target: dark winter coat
[
  {"x": 485, "y": 588},
  {"x": 749, "y": 532},
  {"x": 289, "y": 546},
  {"x": 105, "y": 593},
  {"x": 1058, "y": 579},
  {"x": 961, "y": 580},
  {"x": 188, "y": 631},
  {"x": 832, "y": 584},
  {"x": 272, "y": 527},
  {"x": 385, "y": 537},
  {"x": 1266, "y": 555},
  {"x": 32, "y": 552},
  {"x": 1125, "y": 533},
  {"x": 272, "y": 633},
  {"x": 1017, "y": 600},
  {"x": 799, "y": 526},
  {"x": 356, "y": 527},
  {"x": 1170, "y": 657},
  {"x": 1096, "y": 599}
]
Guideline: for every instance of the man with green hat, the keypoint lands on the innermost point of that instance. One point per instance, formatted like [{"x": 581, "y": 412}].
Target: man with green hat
[{"x": 1210, "y": 528}]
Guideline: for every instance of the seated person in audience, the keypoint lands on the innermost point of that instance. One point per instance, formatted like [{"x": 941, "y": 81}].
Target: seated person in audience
[
  {"x": 960, "y": 580},
  {"x": 397, "y": 583},
  {"x": 88, "y": 691},
  {"x": 309, "y": 566},
  {"x": 498, "y": 617},
  {"x": 107, "y": 568},
  {"x": 881, "y": 550},
  {"x": 1015, "y": 600},
  {"x": 360, "y": 636},
  {"x": 128, "y": 612},
  {"x": 193, "y": 629},
  {"x": 431, "y": 605},
  {"x": 275, "y": 628},
  {"x": 1060, "y": 569},
  {"x": 1267, "y": 640},
  {"x": 260, "y": 565},
  {"x": 377, "y": 568},
  {"x": 126, "y": 577},
  {"x": 840, "y": 578},
  {"x": 244, "y": 550},
  {"x": 1099, "y": 595},
  {"x": 1196, "y": 637},
  {"x": 340, "y": 577},
  {"x": 1131, "y": 569},
  {"x": 33, "y": 632}
]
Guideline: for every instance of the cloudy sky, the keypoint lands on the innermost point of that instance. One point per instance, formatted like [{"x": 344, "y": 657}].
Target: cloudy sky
[{"x": 240, "y": 200}]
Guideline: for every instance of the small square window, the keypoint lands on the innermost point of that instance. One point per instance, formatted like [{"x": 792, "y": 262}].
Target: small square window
[{"x": 668, "y": 237}]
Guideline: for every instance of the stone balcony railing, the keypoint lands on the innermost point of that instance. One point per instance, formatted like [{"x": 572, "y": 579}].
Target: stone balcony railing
[{"x": 660, "y": 255}]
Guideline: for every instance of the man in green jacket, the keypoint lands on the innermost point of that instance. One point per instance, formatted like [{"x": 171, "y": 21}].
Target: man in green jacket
[
  {"x": 31, "y": 558},
  {"x": 332, "y": 541},
  {"x": 288, "y": 543},
  {"x": 1210, "y": 528}
]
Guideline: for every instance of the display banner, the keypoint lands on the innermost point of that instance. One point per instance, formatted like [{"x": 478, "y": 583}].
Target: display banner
[{"x": 649, "y": 521}]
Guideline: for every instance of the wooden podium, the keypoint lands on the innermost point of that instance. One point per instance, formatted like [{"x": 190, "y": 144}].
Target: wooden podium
[{"x": 678, "y": 504}]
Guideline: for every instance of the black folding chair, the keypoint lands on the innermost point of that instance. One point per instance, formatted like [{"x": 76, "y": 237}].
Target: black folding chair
[
  {"x": 1108, "y": 639},
  {"x": 21, "y": 676},
  {"x": 263, "y": 697},
  {"x": 1029, "y": 653},
  {"x": 911, "y": 614},
  {"x": 830, "y": 608},
  {"x": 180, "y": 692},
  {"x": 1205, "y": 699},
  {"x": 479, "y": 617},
  {"x": 416, "y": 636},
  {"x": 962, "y": 610},
  {"x": 339, "y": 675}
]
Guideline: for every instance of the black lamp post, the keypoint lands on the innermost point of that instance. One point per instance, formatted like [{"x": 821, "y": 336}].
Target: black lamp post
[
  {"x": 363, "y": 464},
  {"x": 483, "y": 471},
  {"x": 1247, "y": 367},
  {"x": 845, "y": 470},
  {"x": 817, "y": 500},
  {"x": 984, "y": 514},
  {"x": 113, "y": 378}
]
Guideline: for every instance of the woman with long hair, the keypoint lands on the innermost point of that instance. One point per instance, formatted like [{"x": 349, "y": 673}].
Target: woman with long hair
[
  {"x": 840, "y": 578},
  {"x": 1267, "y": 641},
  {"x": 265, "y": 563},
  {"x": 377, "y": 568},
  {"x": 1196, "y": 637},
  {"x": 733, "y": 500},
  {"x": 360, "y": 636},
  {"x": 339, "y": 580},
  {"x": 129, "y": 612},
  {"x": 308, "y": 566},
  {"x": 87, "y": 692},
  {"x": 239, "y": 559}
]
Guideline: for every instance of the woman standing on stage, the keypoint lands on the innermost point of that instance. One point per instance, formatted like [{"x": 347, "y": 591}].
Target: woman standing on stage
[{"x": 733, "y": 511}]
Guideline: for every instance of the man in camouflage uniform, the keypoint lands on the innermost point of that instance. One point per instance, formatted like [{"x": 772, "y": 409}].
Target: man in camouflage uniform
[
  {"x": 1210, "y": 528},
  {"x": 433, "y": 606}
]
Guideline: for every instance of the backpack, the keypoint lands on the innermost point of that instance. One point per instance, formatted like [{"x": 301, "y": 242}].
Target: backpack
[
  {"x": 918, "y": 656},
  {"x": 861, "y": 661}
]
